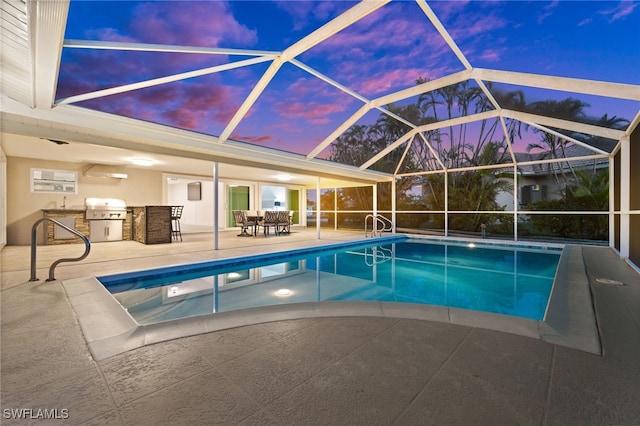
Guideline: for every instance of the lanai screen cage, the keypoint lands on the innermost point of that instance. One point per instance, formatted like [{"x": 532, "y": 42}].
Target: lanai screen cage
[{"x": 500, "y": 119}]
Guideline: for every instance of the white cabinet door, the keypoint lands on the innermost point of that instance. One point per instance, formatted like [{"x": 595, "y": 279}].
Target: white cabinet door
[
  {"x": 114, "y": 230},
  {"x": 105, "y": 230},
  {"x": 97, "y": 230}
]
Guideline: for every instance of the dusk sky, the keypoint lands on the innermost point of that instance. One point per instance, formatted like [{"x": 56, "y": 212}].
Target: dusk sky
[{"x": 385, "y": 52}]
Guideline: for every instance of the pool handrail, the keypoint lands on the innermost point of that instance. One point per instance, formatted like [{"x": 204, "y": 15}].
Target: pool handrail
[
  {"x": 52, "y": 268},
  {"x": 376, "y": 220}
]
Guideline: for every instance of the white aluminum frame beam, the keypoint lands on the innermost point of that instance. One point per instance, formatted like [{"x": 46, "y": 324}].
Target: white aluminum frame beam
[
  {"x": 167, "y": 48},
  {"x": 48, "y": 26},
  {"x": 161, "y": 80},
  {"x": 352, "y": 15},
  {"x": 564, "y": 84},
  {"x": 559, "y": 123}
]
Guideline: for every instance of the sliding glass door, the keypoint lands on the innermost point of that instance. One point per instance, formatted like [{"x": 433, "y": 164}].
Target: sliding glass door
[{"x": 238, "y": 198}]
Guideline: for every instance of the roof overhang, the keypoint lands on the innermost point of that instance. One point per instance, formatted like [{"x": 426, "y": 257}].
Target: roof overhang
[{"x": 74, "y": 124}]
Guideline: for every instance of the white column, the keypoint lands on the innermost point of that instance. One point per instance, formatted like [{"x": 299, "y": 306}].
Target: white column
[
  {"x": 216, "y": 205},
  {"x": 612, "y": 225},
  {"x": 318, "y": 208},
  {"x": 375, "y": 199},
  {"x": 446, "y": 203},
  {"x": 516, "y": 192},
  {"x": 335, "y": 209},
  {"x": 625, "y": 192},
  {"x": 393, "y": 203}
]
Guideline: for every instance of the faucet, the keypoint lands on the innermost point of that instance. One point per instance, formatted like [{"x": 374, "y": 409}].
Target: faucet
[{"x": 64, "y": 202}]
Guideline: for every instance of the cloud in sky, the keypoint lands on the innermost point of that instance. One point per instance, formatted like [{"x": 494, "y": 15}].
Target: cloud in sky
[
  {"x": 209, "y": 24},
  {"x": 618, "y": 12},
  {"x": 374, "y": 54},
  {"x": 491, "y": 55},
  {"x": 304, "y": 12},
  {"x": 313, "y": 112},
  {"x": 386, "y": 51},
  {"x": 547, "y": 11},
  {"x": 252, "y": 139}
]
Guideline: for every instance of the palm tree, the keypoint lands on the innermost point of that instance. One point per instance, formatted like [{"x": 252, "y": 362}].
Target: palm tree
[{"x": 550, "y": 145}]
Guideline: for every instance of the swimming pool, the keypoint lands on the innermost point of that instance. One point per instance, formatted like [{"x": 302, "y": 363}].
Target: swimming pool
[{"x": 507, "y": 279}]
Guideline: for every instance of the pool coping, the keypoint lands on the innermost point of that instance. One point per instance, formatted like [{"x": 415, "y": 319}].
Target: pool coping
[{"x": 570, "y": 321}]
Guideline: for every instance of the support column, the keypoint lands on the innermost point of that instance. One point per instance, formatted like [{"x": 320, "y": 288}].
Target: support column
[
  {"x": 375, "y": 200},
  {"x": 318, "y": 208},
  {"x": 393, "y": 204},
  {"x": 612, "y": 201},
  {"x": 516, "y": 202},
  {"x": 446, "y": 203},
  {"x": 625, "y": 192},
  {"x": 216, "y": 204},
  {"x": 335, "y": 209}
]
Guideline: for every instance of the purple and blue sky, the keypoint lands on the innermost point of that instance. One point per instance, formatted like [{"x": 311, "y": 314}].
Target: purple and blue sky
[{"x": 385, "y": 52}]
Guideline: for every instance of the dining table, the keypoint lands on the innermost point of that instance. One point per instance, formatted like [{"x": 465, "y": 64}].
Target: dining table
[{"x": 254, "y": 219}]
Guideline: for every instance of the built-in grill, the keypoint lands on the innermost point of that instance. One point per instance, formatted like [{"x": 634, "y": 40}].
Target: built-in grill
[
  {"x": 105, "y": 216},
  {"x": 105, "y": 208}
]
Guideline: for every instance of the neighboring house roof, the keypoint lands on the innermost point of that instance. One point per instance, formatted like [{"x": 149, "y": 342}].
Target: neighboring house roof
[{"x": 570, "y": 151}]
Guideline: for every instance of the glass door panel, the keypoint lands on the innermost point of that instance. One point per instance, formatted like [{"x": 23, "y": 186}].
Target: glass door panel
[
  {"x": 238, "y": 197},
  {"x": 293, "y": 203}
]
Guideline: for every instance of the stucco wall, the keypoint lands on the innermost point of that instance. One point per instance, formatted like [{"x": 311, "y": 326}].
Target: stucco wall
[{"x": 142, "y": 187}]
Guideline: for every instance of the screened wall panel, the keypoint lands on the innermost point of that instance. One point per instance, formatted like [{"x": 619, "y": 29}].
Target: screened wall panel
[
  {"x": 421, "y": 222},
  {"x": 481, "y": 225},
  {"x": 564, "y": 227}
]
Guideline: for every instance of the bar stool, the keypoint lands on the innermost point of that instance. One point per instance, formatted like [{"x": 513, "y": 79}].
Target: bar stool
[{"x": 176, "y": 214}]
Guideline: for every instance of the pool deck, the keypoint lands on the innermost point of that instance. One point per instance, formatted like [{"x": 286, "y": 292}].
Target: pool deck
[{"x": 348, "y": 366}]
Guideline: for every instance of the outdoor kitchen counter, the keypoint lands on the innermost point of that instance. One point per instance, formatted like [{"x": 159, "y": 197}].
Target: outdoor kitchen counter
[
  {"x": 76, "y": 218},
  {"x": 151, "y": 224}
]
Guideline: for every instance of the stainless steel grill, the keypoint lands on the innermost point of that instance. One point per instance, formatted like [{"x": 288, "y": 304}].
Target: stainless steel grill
[
  {"x": 106, "y": 217},
  {"x": 105, "y": 209}
]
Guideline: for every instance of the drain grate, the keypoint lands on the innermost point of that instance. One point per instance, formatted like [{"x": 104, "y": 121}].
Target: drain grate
[{"x": 609, "y": 281}]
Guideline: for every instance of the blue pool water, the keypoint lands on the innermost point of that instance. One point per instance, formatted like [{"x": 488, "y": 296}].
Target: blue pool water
[{"x": 494, "y": 278}]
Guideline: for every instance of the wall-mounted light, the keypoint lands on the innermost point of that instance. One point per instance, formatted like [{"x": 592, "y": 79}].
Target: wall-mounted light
[{"x": 142, "y": 162}]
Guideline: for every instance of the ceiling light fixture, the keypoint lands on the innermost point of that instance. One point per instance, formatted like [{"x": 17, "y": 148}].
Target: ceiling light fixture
[
  {"x": 284, "y": 292},
  {"x": 283, "y": 178},
  {"x": 142, "y": 162}
]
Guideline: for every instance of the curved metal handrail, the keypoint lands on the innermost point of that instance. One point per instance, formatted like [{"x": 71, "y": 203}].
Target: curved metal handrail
[
  {"x": 52, "y": 268},
  {"x": 378, "y": 255},
  {"x": 375, "y": 220}
]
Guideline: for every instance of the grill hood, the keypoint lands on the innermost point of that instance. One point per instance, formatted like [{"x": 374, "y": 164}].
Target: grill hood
[{"x": 104, "y": 171}]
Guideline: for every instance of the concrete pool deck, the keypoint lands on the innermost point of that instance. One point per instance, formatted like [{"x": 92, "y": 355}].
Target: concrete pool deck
[{"x": 317, "y": 370}]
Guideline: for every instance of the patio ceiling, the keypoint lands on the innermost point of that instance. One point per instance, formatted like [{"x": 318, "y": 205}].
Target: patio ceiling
[{"x": 125, "y": 88}]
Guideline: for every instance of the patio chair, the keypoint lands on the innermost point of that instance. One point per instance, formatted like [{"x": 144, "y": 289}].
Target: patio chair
[
  {"x": 241, "y": 221},
  {"x": 284, "y": 221},
  {"x": 270, "y": 219}
]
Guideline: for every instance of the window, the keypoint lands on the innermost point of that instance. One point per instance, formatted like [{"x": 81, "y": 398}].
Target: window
[{"x": 54, "y": 181}]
